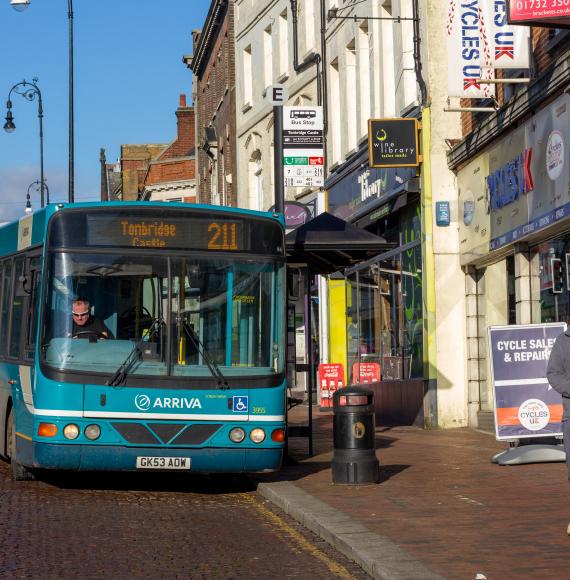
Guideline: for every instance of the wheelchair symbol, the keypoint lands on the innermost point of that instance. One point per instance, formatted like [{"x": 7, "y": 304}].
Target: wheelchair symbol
[{"x": 240, "y": 404}]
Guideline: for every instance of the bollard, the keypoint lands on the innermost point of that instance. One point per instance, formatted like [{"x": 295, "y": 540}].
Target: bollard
[{"x": 354, "y": 458}]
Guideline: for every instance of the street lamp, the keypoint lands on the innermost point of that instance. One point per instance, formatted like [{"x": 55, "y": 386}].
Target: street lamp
[
  {"x": 29, "y": 91},
  {"x": 38, "y": 186},
  {"x": 20, "y": 6}
]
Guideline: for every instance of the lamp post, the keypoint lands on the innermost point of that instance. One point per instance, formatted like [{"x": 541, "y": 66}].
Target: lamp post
[
  {"x": 20, "y": 6},
  {"x": 38, "y": 186},
  {"x": 29, "y": 91}
]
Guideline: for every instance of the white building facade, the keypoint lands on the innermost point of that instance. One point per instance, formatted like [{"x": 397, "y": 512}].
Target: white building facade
[{"x": 403, "y": 312}]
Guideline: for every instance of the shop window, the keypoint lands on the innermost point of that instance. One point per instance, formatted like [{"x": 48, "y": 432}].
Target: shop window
[
  {"x": 553, "y": 261},
  {"x": 385, "y": 321},
  {"x": 352, "y": 332}
]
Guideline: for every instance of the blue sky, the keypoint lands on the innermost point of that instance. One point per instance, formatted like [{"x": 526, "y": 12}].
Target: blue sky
[{"x": 128, "y": 78}]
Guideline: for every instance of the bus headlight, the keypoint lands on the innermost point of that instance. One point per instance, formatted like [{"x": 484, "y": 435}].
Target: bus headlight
[
  {"x": 257, "y": 435},
  {"x": 92, "y": 432},
  {"x": 71, "y": 431},
  {"x": 237, "y": 434}
]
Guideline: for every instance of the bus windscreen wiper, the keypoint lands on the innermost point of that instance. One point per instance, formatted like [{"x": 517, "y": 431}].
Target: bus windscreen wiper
[
  {"x": 134, "y": 356},
  {"x": 199, "y": 346}
]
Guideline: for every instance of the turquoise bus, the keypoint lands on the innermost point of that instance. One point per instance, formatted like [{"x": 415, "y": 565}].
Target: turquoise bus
[{"x": 181, "y": 366}]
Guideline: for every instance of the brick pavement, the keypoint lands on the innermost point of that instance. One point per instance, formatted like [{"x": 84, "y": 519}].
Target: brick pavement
[{"x": 442, "y": 501}]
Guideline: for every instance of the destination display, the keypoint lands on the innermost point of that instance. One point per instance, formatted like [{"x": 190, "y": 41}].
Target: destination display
[
  {"x": 197, "y": 233},
  {"x": 161, "y": 229}
]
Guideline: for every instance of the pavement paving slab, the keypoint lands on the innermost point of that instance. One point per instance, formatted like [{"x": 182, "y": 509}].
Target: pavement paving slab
[{"x": 440, "y": 510}]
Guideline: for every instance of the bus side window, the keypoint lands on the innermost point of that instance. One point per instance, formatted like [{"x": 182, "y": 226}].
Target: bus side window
[
  {"x": 6, "y": 300},
  {"x": 18, "y": 304},
  {"x": 32, "y": 311}
]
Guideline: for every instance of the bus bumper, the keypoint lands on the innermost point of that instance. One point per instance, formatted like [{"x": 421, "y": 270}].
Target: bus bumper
[{"x": 116, "y": 458}]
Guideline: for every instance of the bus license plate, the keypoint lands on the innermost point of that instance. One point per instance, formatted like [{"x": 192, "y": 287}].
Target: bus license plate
[{"x": 163, "y": 463}]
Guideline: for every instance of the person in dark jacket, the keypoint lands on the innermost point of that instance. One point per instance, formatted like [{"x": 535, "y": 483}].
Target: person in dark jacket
[
  {"x": 558, "y": 375},
  {"x": 84, "y": 324}
]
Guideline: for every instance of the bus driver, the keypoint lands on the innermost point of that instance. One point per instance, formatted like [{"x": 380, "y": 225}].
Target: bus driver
[{"x": 85, "y": 325}]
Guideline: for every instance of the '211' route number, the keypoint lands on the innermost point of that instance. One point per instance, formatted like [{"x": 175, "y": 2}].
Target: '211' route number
[{"x": 223, "y": 237}]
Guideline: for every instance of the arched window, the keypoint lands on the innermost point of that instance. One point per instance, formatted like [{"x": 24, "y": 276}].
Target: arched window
[{"x": 255, "y": 181}]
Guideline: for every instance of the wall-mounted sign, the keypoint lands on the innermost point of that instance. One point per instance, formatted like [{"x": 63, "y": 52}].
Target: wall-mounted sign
[
  {"x": 467, "y": 45},
  {"x": 504, "y": 45},
  {"x": 303, "y": 147},
  {"x": 510, "y": 181},
  {"x": 555, "y": 155},
  {"x": 277, "y": 95},
  {"x": 554, "y": 13},
  {"x": 519, "y": 185},
  {"x": 393, "y": 142},
  {"x": 296, "y": 214},
  {"x": 361, "y": 185},
  {"x": 442, "y": 213},
  {"x": 468, "y": 207}
]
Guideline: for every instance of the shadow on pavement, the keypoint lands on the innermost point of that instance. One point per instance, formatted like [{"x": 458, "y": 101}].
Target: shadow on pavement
[
  {"x": 389, "y": 471},
  {"x": 213, "y": 484}
]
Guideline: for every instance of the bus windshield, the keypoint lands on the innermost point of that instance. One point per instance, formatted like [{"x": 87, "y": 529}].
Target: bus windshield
[{"x": 99, "y": 306}]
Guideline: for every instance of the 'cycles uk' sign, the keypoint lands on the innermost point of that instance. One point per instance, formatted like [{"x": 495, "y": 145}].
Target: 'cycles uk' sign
[{"x": 525, "y": 404}]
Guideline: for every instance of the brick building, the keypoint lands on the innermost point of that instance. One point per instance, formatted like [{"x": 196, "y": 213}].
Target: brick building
[
  {"x": 213, "y": 68},
  {"x": 171, "y": 176},
  {"x": 158, "y": 172},
  {"x": 134, "y": 162}
]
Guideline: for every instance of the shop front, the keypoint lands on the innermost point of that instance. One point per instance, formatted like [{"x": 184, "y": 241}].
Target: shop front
[
  {"x": 514, "y": 203},
  {"x": 375, "y": 307}
]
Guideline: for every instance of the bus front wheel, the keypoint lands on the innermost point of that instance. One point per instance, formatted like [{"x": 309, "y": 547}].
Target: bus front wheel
[{"x": 19, "y": 471}]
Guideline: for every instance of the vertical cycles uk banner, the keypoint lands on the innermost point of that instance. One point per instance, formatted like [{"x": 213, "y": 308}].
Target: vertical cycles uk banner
[
  {"x": 525, "y": 404},
  {"x": 479, "y": 40}
]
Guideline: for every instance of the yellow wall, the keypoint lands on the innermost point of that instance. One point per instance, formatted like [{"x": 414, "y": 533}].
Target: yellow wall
[{"x": 337, "y": 323}]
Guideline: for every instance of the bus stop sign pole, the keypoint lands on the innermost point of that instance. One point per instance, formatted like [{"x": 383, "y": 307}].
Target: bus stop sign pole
[{"x": 277, "y": 95}]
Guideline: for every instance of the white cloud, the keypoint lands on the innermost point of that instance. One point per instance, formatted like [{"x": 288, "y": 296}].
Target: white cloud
[{"x": 14, "y": 185}]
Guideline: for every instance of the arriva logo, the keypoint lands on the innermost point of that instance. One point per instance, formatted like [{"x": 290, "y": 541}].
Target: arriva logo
[{"x": 143, "y": 403}]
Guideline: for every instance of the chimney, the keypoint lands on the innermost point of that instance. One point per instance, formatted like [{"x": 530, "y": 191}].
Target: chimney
[
  {"x": 185, "y": 127},
  {"x": 104, "y": 181}
]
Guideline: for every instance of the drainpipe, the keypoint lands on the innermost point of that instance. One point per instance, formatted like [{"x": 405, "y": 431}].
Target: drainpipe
[
  {"x": 324, "y": 78},
  {"x": 313, "y": 59},
  {"x": 417, "y": 54},
  {"x": 319, "y": 60}
]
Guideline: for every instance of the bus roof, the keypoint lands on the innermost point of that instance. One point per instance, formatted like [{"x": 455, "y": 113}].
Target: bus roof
[{"x": 29, "y": 230}]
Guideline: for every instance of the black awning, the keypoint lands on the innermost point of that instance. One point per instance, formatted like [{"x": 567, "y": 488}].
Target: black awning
[{"x": 327, "y": 244}]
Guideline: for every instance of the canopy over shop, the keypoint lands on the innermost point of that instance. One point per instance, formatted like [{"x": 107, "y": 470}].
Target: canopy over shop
[{"x": 325, "y": 245}]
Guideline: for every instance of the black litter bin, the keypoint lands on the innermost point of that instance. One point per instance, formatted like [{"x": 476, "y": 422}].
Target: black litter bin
[{"x": 354, "y": 459}]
